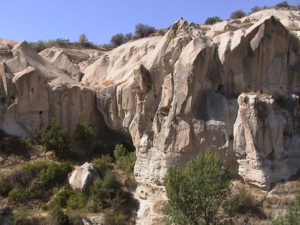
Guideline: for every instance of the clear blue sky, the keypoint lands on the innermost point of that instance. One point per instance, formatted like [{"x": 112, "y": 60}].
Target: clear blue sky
[{"x": 34, "y": 20}]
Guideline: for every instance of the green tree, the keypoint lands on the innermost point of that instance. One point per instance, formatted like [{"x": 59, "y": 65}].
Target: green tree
[
  {"x": 54, "y": 138},
  {"x": 213, "y": 20},
  {"x": 84, "y": 134},
  {"x": 197, "y": 191},
  {"x": 237, "y": 14},
  {"x": 83, "y": 39},
  {"x": 117, "y": 40}
]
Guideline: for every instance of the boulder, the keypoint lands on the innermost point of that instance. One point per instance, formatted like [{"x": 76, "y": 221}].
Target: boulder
[
  {"x": 82, "y": 177},
  {"x": 94, "y": 220}
]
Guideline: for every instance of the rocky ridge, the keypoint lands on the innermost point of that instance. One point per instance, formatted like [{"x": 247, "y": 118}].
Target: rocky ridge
[{"x": 232, "y": 87}]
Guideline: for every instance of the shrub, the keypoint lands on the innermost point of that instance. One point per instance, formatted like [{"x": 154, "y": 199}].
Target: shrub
[
  {"x": 103, "y": 164},
  {"x": 128, "y": 37},
  {"x": 114, "y": 217},
  {"x": 142, "y": 30},
  {"x": 83, "y": 39},
  {"x": 117, "y": 40},
  {"x": 237, "y": 14},
  {"x": 293, "y": 215},
  {"x": 17, "y": 195},
  {"x": 5, "y": 185},
  {"x": 21, "y": 217},
  {"x": 283, "y": 4},
  {"x": 76, "y": 200},
  {"x": 126, "y": 163},
  {"x": 241, "y": 203},
  {"x": 213, "y": 20},
  {"x": 196, "y": 191},
  {"x": 84, "y": 134},
  {"x": 120, "y": 151},
  {"x": 108, "y": 192},
  {"x": 255, "y": 9},
  {"x": 54, "y": 138},
  {"x": 57, "y": 217}
]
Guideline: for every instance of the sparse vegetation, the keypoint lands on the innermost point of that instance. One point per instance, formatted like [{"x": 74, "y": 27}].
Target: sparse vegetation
[
  {"x": 284, "y": 4},
  {"x": 83, "y": 39},
  {"x": 54, "y": 138},
  {"x": 293, "y": 215},
  {"x": 255, "y": 9},
  {"x": 142, "y": 30},
  {"x": 117, "y": 40},
  {"x": 125, "y": 160},
  {"x": 237, "y": 14},
  {"x": 84, "y": 135},
  {"x": 196, "y": 191},
  {"x": 213, "y": 20}
]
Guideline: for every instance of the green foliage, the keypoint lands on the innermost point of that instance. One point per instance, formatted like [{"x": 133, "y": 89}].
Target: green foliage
[
  {"x": 284, "y": 4},
  {"x": 142, "y": 30},
  {"x": 213, "y": 20},
  {"x": 36, "y": 179},
  {"x": 241, "y": 203},
  {"x": 21, "y": 217},
  {"x": 196, "y": 191},
  {"x": 255, "y": 9},
  {"x": 67, "y": 198},
  {"x": 58, "y": 217},
  {"x": 125, "y": 160},
  {"x": 126, "y": 163},
  {"x": 120, "y": 151},
  {"x": 17, "y": 195},
  {"x": 83, "y": 39},
  {"x": 5, "y": 185},
  {"x": 54, "y": 138},
  {"x": 98, "y": 148},
  {"x": 108, "y": 191},
  {"x": 293, "y": 215},
  {"x": 237, "y": 14},
  {"x": 117, "y": 40},
  {"x": 103, "y": 164},
  {"x": 114, "y": 217},
  {"x": 84, "y": 134},
  {"x": 41, "y": 45}
]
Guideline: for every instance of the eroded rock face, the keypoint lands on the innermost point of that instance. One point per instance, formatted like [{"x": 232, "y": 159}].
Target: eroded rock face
[{"x": 175, "y": 96}]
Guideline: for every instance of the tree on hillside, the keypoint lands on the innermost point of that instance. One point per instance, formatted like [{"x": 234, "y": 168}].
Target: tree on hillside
[
  {"x": 237, "y": 14},
  {"x": 83, "y": 39},
  {"x": 196, "y": 191},
  {"x": 142, "y": 30},
  {"x": 117, "y": 40},
  {"x": 213, "y": 20}
]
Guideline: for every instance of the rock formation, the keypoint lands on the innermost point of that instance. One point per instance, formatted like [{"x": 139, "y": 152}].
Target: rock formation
[
  {"x": 232, "y": 87},
  {"x": 82, "y": 177}
]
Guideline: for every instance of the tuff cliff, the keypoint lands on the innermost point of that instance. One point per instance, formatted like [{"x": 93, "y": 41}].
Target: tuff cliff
[{"x": 232, "y": 87}]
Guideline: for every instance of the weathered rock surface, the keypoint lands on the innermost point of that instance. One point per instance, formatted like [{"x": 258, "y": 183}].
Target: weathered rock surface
[
  {"x": 82, "y": 177},
  {"x": 232, "y": 87},
  {"x": 94, "y": 220}
]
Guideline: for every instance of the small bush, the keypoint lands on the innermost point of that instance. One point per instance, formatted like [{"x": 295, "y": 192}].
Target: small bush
[
  {"x": 57, "y": 217},
  {"x": 213, "y": 20},
  {"x": 17, "y": 195},
  {"x": 284, "y": 4},
  {"x": 21, "y": 217},
  {"x": 142, "y": 30},
  {"x": 103, "y": 164},
  {"x": 54, "y": 138},
  {"x": 114, "y": 217},
  {"x": 117, "y": 40},
  {"x": 126, "y": 163},
  {"x": 241, "y": 203},
  {"x": 83, "y": 39},
  {"x": 5, "y": 185},
  {"x": 237, "y": 14},
  {"x": 76, "y": 200},
  {"x": 255, "y": 9},
  {"x": 120, "y": 151},
  {"x": 128, "y": 37},
  {"x": 84, "y": 134},
  {"x": 293, "y": 215}
]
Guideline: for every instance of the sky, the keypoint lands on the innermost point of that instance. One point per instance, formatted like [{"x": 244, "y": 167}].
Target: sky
[{"x": 99, "y": 20}]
